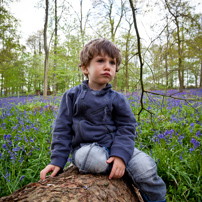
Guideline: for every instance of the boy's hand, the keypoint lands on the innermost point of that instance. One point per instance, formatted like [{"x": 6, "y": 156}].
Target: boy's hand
[
  {"x": 118, "y": 168},
  {"x": 49, "y": 168}
]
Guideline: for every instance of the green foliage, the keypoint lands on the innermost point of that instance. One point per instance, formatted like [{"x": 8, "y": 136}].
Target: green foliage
[
  {"x": 173, "y": 138},
  {"x": 25, "y": 138}
]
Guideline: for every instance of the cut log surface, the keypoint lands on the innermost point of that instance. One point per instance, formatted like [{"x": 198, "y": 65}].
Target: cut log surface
[{"x": 71, "y": 186}]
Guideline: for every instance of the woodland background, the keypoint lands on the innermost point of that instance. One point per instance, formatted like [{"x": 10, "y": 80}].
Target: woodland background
[
  {"x": 48, "y": 63},
  {"x": 161, "y": 76}
]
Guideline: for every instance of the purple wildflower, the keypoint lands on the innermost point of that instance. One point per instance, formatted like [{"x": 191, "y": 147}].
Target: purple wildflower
[
  {"x": 4, "y": 146},
  {"x": 195, "y": 143},
  {"x": 6, "y": 176},
  {"x": 180, "y": 139},
  {"x": 25, "y": 138},
  {"x": 16, "y": 149},
  {"x": 8, "y": 136},
  {"x": 181, "y": 156},
  {"x": 21, "y": 160},
  {"x": 35, "y": 128},
  {"x": 10, "y": 143},
  {"x": 198, "y": 133},
  {"x": 22, "y": 177}
]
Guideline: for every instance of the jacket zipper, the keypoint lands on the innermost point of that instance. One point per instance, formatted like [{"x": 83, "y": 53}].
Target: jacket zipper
[
  {"x": 82, "y": 110},
  {"x": 100, "y": 110},
  {"x": 79, "y": 128},
  {"x": 97, "y": 111},
  {"x": 108, "y": 129}
]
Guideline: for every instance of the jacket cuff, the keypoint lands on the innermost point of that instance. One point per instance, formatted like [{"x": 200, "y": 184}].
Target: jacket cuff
[
  {"x": 58, "y": 162},
  {"x": 119, "y": 152}
]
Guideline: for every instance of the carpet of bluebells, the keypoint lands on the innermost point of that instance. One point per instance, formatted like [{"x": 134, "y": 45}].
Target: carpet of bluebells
[{"x": 170, "y": 130}]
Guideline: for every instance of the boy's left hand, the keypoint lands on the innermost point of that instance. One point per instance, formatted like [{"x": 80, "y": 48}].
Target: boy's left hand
[{"x": 118, "y": 168}]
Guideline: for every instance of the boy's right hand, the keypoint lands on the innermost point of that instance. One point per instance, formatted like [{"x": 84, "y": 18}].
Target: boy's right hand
[{"x": 49, "y": 168}]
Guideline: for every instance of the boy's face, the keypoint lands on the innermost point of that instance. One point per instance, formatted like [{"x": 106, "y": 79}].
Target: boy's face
[{"x": 100, "y": 71}]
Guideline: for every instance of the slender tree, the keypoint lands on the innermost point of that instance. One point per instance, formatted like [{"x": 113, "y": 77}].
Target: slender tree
[
  {"x": 55, "y": 49},
  {"x": 180, "y": 12},
  {"x": 46, "y": 49}
]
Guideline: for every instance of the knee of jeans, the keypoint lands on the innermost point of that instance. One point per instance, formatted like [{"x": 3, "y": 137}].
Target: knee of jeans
[
  {"x": 142, "y": 166},
  {"x": 91, "y": 159}
]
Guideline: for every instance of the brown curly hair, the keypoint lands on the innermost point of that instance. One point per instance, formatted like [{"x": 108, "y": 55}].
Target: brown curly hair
[{"x": 99, "y": 47}]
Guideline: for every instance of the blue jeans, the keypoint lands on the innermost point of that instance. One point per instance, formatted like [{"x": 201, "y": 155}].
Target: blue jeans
[{"x": 91, "y": 158}]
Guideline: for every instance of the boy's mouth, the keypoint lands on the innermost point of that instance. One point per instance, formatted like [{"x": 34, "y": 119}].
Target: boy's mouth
[{"x": 107, "y": 74}]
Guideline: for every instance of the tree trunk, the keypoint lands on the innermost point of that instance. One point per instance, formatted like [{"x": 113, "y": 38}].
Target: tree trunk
[
  {"x": 166, "y": 53},
  {"x": 73, "y": 186},
  {"x": 180, "y": 76},
  {"x": 55, "y": 50},
  {"x": 201, "y": 75},
  {"x": 46, "y": 53},
  {"x": 196, "y": 80},
  {"x": 126, "y": 58}
]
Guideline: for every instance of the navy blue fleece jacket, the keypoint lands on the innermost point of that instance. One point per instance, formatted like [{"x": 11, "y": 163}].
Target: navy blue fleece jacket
[{"x": 87, "y": 116}]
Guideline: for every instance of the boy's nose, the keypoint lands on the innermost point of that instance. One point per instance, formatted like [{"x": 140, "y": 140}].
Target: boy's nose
[{"x": 107, "y": 66}]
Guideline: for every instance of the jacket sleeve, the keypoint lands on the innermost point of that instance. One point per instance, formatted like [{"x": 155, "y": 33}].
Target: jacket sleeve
[
  {"x": 62, "y": 132},
  {"x": 125, "y": 122}
]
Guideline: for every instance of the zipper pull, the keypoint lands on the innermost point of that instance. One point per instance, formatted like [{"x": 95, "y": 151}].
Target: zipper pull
[
  {"x": 105, "y": 113},
  {"x": 83, "y": 94}
]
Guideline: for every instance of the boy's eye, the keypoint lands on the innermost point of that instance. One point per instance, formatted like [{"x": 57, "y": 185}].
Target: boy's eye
[
  {"x": 100, "y": 60},
  {"x": 112, "y": 62}
]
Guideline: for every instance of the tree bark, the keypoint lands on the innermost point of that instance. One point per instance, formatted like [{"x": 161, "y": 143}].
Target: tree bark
[
  {"x": 179, "y": 49},
  {"x": 127, "y": 56},
  {"x": 201, "y": 75},
  {"x": 55, "y": 50},
  {"x": 46, "y": 53},
  {"x": 72, "y": 186}
]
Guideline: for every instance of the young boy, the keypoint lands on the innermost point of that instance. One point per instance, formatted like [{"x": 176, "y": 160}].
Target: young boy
[{"x": 97, "y": 125}]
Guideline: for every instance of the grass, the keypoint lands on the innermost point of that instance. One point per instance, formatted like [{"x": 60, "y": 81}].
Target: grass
[{"x": 172, "y": 136}]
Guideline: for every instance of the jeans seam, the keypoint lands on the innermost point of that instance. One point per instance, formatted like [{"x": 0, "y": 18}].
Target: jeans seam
[
  {"x": 147, "y": 171},
  {"x": 139, "y": 184},
  {"x": 85, "y": 160}
]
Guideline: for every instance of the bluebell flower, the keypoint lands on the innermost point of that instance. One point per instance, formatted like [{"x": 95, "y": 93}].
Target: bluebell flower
[
  {"x": 8, "y": 136},
  {"x": 192, "y": 125},
  {"x": 25, "y": 138},
  {"x": 22, "y": 177},
  {"x": 198, "y": 133},
  {"x": 191, "y": 150},
  {"x": 10, "y": 143},
  {"x": 21, "y": 160},
  {"x": 180, "y": 139},
  {"x": 15, "y": 127},
  {"x": 181, "y": 156},
  {"x": 6, "y": 175},
  {"x": 35, "y": 128},
  {"x": 16, "y": 149},
  {"x": 4, "y": 146},
  {"x": 195, "y": 143}
]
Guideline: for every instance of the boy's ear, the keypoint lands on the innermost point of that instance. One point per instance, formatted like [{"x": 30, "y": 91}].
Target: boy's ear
[{"x": 84, "y": 69}]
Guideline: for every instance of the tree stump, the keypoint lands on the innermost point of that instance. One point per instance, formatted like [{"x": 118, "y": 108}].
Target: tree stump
[{"x": 71, "y": 186}]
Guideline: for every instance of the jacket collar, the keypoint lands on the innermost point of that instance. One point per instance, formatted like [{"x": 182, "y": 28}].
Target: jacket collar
[{"x": 101, "y": 92}]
